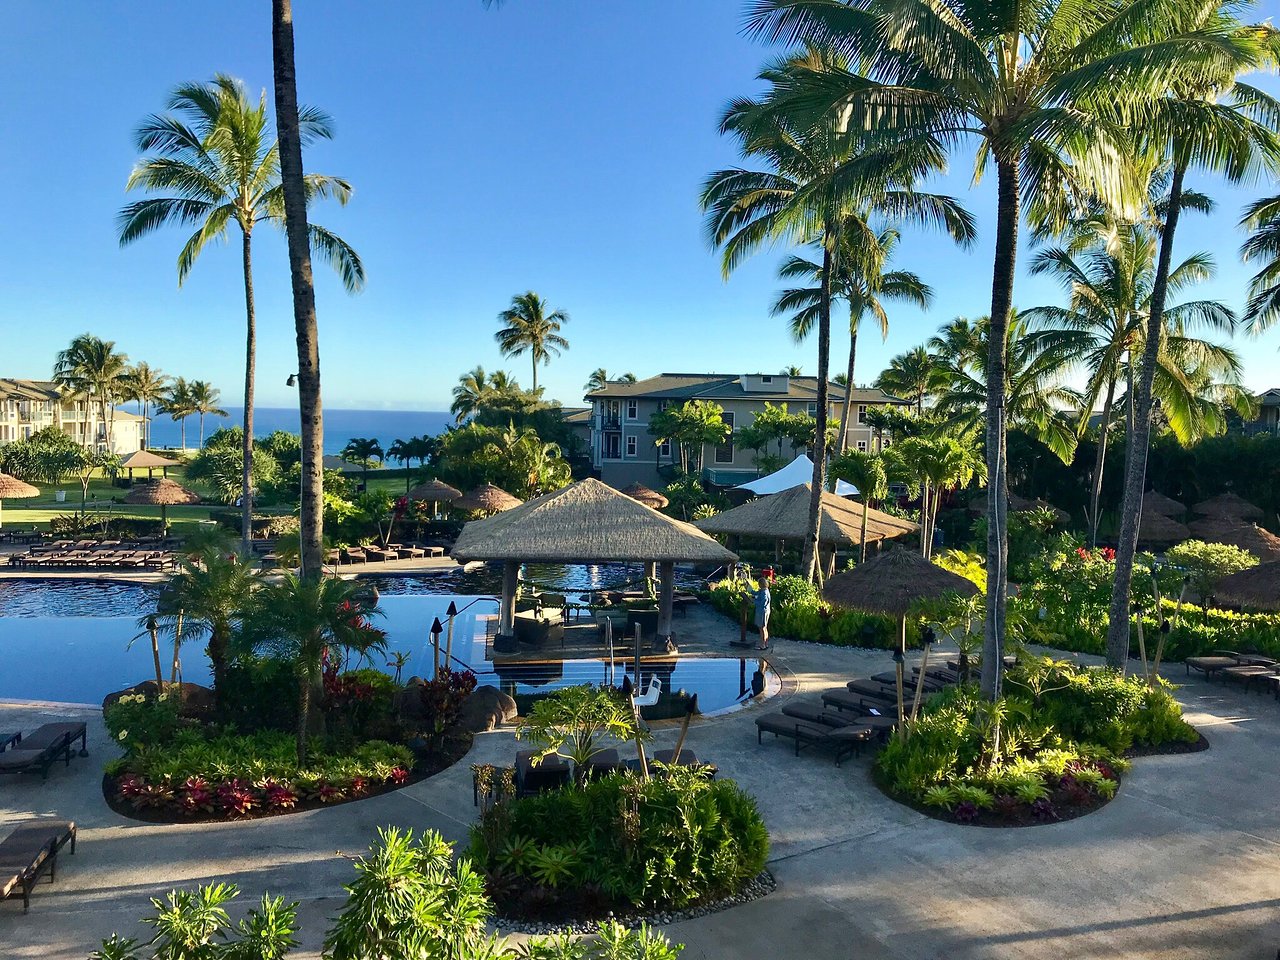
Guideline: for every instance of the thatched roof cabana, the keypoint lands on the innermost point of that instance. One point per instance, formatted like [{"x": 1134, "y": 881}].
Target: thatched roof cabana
[
  {"x": 163, "y": 494},
  {"x": 894, "y": 583},
  {"x": 1229, "y": 505},
  {"x": 1019, "y": 504},
  {"x": 1157, "y": 502},
  {"x": 435, "y": 491},
  {"x": 650, "y": 498},
  {"x": 785, "y": 516},
  {"x": 1157, "y": 530},
  {"x": 145, "y": 459},
  {"x": 1257, "y": 588},
  {"x": 11, "y": 488},
  {"x": 487, "y": 499},
  {"x": 1248, "y": 536}
]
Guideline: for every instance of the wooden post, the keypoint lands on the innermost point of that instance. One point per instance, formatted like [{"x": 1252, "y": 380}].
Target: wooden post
[
  {"x": 507, "y": 610},
  {"x": 448, "y": 646},
  {"x": 690, "y": 708},
  {"x": 1142, "y": 647},
  {"x": 924, "y": 663},
  {"x": 666, "y": 598},
  {"x": 902, "y": 654}
]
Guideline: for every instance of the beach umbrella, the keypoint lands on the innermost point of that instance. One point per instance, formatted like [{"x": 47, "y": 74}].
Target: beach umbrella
[
  {"x": 163, "y": 494},
  {"x": 1229, "y": 505},
  {"x": 145, "y": 458},
  {"x": 650, "y": 498},
  {"x": 1157, "y": 530},
  {"x": 487, "y": 498},
  {"x": 434, "y": 492},
  {"x": 1257, "y": 588},
  {"x": 895, "y": 583},
  {"x": 1263, "y": 544},
  {"x": 11, "y": 488},
  {"x": 785, "y": 516},
  {"x": 1165, "y": 506}
]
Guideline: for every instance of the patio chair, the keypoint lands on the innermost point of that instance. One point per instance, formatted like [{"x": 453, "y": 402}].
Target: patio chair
[
  {"x": 1250, "y": 670},
  {"x": 604, "y": 763},
  {"x": 845, "y": 741},
  {"x": 858, "y": 702},
  {"x": 30, "y": 850},
  {"x": 44, "y": 747},
  {"x": 378, "y": 555},
  {"x": 1209, "y": 665},
  {"x": 354, "y": 555},
  {"x": 550, "y": 773}
]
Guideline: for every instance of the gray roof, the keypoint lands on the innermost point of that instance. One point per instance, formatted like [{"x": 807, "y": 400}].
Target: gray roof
[
  {"x": 722, "y": 386},
  {"x": 575, "y": 414}
]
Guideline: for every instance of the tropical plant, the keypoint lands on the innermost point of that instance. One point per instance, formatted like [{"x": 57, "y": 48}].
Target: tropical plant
[
  {"x": 600, "y": 379},
  {"x": 915, "y": 376},
  {"x": 690, "y": 426},
  {"x": 363, "y": 450},
  {"x": 929, "y": 466},
  {"x": 215, "y": 163},
  {"x": 528, "y": 325},
  {"x": 147, "y": 387},
  {"x": 219, "y": 466},
  {"x": 177, "y": 403},
  {"x": 1204, "y": 564},
  {"x": 866, "y": 472},
  {"x": 577, "y": 723},
  {"x": 92, "y": 370},
  {"x": 204, "y": 402}
]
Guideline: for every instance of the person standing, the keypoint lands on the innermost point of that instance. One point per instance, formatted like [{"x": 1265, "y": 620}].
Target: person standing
[{"x": 764, "y": 602}]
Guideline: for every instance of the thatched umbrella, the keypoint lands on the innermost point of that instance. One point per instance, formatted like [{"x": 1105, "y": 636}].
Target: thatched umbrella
[
  {"x": 11, "y": 488},
  {"x": 1157, "y": 502},
  {"x": 1257, "y": 588},
  {"x": 586, "y": 521},
  {"x": 487, "y": 498},
  {"x": 1019, "y": 504},
  {"x": 163, "y": 494},
  {"x": 895, "y": 583},
  {"x": 785, "y": 516},
  {"x": 1263, "y": 544},
  {"x": 434, "y": 492},
  {"x": 1229, "y": 505},
  {"x": 145, "y": 458},
  {"x": 650, "y": 498},
  {"x": 1157, "y": 530}
]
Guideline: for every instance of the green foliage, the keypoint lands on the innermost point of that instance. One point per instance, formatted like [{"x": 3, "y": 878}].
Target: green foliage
[
  {"x": 578, "y": 722},
  {"x": 971, "y": 566},
  {"x": 799, "y": 614},
  {"x": 136, "y": 721},
  {"x": 219, "y": 466},
  {"x": 1207, "y": 563},
  {"x": 690, "y": 427},
  {"x": 792, "y": 589}
]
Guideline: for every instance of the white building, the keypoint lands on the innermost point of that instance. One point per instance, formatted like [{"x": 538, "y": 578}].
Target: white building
[{"x": 28, "y": 406}]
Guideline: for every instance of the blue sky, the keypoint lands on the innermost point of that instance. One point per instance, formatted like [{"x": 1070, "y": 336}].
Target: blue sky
[{"x": 557, "y": 147}]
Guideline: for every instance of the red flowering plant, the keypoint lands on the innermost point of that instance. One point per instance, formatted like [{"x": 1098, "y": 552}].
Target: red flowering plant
[{"x": 442, "y": 698}]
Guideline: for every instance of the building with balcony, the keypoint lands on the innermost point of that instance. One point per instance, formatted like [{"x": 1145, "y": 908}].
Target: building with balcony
[
  {"x": 623, "y": 451},
  {"x": 29, "y": 406}
]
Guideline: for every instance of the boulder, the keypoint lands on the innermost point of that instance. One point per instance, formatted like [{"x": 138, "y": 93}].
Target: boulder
[
  {"x": 197, "y": 701},
  {"x": 484, "y": 709},
  {"x": 409, "y": 701}
]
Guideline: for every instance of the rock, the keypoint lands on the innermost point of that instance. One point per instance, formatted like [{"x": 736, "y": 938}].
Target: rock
[
  {"x": 485, "y": 709},
  {"x": 197, "y": 701}
]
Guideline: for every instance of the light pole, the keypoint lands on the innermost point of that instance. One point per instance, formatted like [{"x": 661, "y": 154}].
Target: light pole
[{"x": 292, "y": 381}]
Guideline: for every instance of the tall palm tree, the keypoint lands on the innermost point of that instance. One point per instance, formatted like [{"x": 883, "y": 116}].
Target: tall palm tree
[
  {"x": 930, "y": 465},
  {"x": 597, "y": 381},
  {"x": 866, "y": 472},
  {"x": 147, "y": 387},
  {"x": 914, "y": 375},
  {"x": 1262, "y": 219},
  {"x": 862, "y": 282},
  {"x": 469, "y": 394},
  {"x": 530, "y": 326},
  {"x": 214, "y": 163},
  {"x": 177, "y": 403},
  {"x": 814, "y": 172},
  {"x": 1045, "y": 92},
  {"x": 204, "y": 401},
  {"x": 91, "y": 369},
  {"x": 361, "y": 450}
]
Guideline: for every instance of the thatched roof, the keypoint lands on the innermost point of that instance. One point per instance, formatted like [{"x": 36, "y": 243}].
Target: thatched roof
[
  {"x": 487, "y": 498},
  {"x": 1157, "y": 502},
  {"x": 1019, "y": 504},
  {"x": 142, "y": 459},
  {"x": 1229, "y": 505},
  {"x": 588, "y": 520},
  {"x": 11, "y": 488},
  {"x": 650, "y": 498},
  {"x": 894, "y": 583},
  {"x": 785, "y": 516},
  {"x": 161, "y": 493},
  {"x": 1157, "y": 530},
  {"x": 437, "y": 491},
  {"x": 1257, "y": 588},
  {"x": 1248, "y": 536}
]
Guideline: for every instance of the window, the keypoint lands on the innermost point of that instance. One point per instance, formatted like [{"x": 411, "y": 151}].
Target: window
[
  {"x": 662, "y": 404},
  {"x": 724, "y": 451},
  {"x": 633, "y": 409},
  {"x": 862, "y": 445},
  {"x": 766, "y": 379},
  {"x": 813, "y": 409},
  {"x": 664, "y": 448},
  {"x": 862, "y": 413},
  {"x": 612, "y": 446},
  {"x": 631, "y": 446}
]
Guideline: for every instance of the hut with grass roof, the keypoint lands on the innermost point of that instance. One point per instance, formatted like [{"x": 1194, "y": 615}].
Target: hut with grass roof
[
  {"x": 1155, "y": 530},
  {"x": 650, "y": 498},
  {"x": 1257, "y": 588},
  {"x": 1229, "y": 505},
  {"x": 163, "y": 494},
  {"x": 435, "y": 492},
  {"x": 11, "y": 488},
  {"x": 1157, "y": 502},
  {"x": 487, "y": 499},
  {"x": 1263, "y": 544}
]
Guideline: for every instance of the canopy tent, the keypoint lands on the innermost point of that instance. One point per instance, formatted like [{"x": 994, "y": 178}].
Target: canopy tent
[
  {"x": 145, "y": 459},
  {"x": 586, "y": 521},
  {"x": 798, "y": 471},
  {"x": 785, "y": 516}
]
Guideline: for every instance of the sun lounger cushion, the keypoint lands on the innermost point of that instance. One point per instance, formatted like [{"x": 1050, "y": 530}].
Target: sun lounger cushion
[{"x": 30, "y": 850}]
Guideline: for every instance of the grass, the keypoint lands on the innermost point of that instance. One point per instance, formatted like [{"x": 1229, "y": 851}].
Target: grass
[{"x": 104, "y": 499}]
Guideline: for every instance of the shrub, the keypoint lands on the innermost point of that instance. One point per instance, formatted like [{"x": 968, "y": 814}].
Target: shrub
[
  {"x": 442, "y": 699},
  {"x": 1207, "y": 563},
  {"x": 136, "y": 721},
  {"x": 260, "y": 693}
]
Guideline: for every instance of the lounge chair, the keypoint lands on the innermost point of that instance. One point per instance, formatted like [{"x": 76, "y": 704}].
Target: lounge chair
[
  {"x": 845, "y": 741},
  {"x": 1248, "y": 672},
  {"x": 819, "y": 716},
  {"x": 44, "y": 747},
  {"x": 1209, "y": 665},
  {"x": 354, "y": 555},
  {"x": 410, "y": 553},
  {"x": 550, "y": 773},
  {"x": 857, "y": 702},
  {"x": 379, "y": 555},
  {"x": 30, "y": 850}
]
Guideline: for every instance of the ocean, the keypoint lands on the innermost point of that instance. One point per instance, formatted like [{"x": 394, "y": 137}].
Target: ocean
[{"x": 340, "y": 426}]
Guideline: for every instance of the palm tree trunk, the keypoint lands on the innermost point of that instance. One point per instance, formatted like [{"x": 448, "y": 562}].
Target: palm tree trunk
[
  {"x": 843, "y": 440},
  {"x": 809, "y": 556},
  {"x": 304, "y": 710},
  {"x": 1135, "y": 457},
  {"x": 997, "y": 480},
  {"x": 250, "y": 369},
  {"x": 202, "y": 431},
  {"x": 218, "y": 662},
  {"x": 182, "y": 423},
  {"x": 304, "y": 295},
  {"x": 535, "y": 373},
  {"x": 1095, "y": 496}
]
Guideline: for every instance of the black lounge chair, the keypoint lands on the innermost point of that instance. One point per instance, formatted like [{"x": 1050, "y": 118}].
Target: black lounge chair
[
  {"x": 44, "y": 747},
  {"x": 884, "y": 703},
  {"x": 30, "y": 850},
  {"x": 845, "y": 741},
  {"x": 875, "y": 690},
  {"x": 1209, "y": 665},
  {"x": 550, "y": 773},
  {"x": 1251, "y": 670}
]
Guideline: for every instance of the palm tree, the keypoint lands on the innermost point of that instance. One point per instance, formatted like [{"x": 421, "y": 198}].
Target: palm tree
[
  {"x": 215, "y": 164},
  {"x": 178, "y": 404},
  {"x": 204, "y": 401},
  {"x": 469, "y": 394},
  {"x": 147, "y": 387},
  {"x": 598, "y": 380},
  {"x": 930, "y": 465},
  {"x": 1262, "y": 218},
  {"x": 299, "y": 621},
  {"x": 1048, "y": 103},
  {"x": 866, "y": 472},
  {"x": 93, "y": 370},
  {"x": 861, "y": 282},
  {"x": 815, "y": 171},
  {"x": 915, "y": 376},
  {"x": 361, "y": 450},
  {"x": 530, "y": 326}
]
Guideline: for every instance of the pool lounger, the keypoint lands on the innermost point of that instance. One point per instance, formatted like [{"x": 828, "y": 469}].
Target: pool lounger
[
  {"x": 30, "y": 850},
  {"x": 44, "y": 747},
  {"x": 846, "y": 740}
]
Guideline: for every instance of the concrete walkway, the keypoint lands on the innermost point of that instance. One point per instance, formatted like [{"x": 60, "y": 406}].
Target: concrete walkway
[{"x": 1183, "y": 864}]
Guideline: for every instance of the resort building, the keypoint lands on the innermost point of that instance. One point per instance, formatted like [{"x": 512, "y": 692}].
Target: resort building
[
  {"x": 1268, "y": 419},
  {"x": 29, "y": 406},
  {"x": 623, "y": 451}
]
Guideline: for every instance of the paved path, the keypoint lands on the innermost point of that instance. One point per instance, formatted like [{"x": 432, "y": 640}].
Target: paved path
[{"x": 1183, "y": 864}]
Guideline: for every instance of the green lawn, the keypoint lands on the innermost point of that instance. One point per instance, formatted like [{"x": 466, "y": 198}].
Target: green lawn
[{"x": 103, "y": 499}]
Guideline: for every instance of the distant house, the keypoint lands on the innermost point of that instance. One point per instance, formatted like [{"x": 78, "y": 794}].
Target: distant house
[
  {"x": 578, "y": 421},
  {"x": 29, "y": 406},
  {"x": 1268, "y": 419},
  {"x": 623, "y": 451}
]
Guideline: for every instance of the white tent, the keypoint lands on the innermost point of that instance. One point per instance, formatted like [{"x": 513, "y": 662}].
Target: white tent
[{"x": 798, "y": 471}]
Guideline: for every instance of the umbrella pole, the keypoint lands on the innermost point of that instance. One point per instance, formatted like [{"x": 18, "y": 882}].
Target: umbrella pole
[{"x": 902, "y": 650}]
